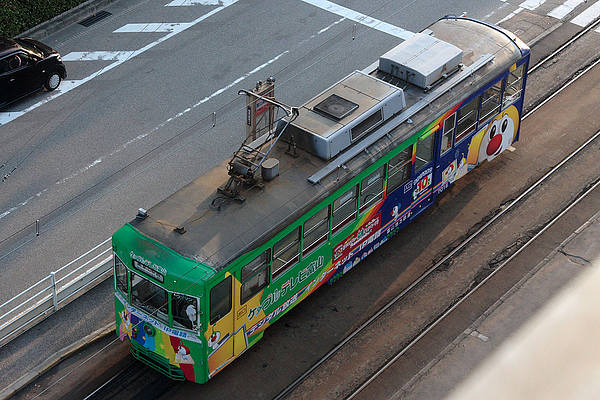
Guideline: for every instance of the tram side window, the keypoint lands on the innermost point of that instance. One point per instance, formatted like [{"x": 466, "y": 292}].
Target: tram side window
[
  {"x": 149, "y": 297},
  {"x": 255, "y": 277},
  {"x": 120, "y": 275},
  {"x": 490, "y": 102},
  {"x": 185, "y": 311},
  {"x": 399, "y": 169},
  {"x": 467, "y": 118},
  {"x": 344, "y": 209},
  {"x": 514, "y": 86},
  {"x": 316, "y": 229},
  {"x": 371, "y": 189},
  {"x": 425, "y": 150},
  {"x": 286, "y": 252},
  {"x": 448, "y": 132},
  {"x": 220, "y": 300}
]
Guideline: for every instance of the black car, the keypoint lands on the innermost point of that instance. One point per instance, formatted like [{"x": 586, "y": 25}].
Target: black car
[{"x": 27, "y": 66}]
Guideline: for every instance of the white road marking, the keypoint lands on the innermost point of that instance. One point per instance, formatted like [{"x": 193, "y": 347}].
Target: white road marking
[
  {"x": 98, "y": 55},
  {"x": 142, "y": 136},
  {"x": 531, "y": 4},
  {"x": 564, "y": 9},
  {"x": 587, "y": 16},
  {"x": 526, "y": 5},
  {"x": 509, "y": 16},
  {"x": 159, "y": 126},
  {"x": 7, "y": 117},
  {"x": 361, "y": 18},
  {"x": 178, "y": 3},
  {"x": 149, "y": 27}
]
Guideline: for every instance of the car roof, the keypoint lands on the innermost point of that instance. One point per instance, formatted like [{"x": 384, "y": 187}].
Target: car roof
[{"x": 8, "y": 46}]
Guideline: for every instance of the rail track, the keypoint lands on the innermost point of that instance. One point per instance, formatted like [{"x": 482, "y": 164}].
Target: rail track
[
  {"x": 347, "y": 340},
  {"x": 448, "y": 257},
  {"x": 471, "y": 292}
]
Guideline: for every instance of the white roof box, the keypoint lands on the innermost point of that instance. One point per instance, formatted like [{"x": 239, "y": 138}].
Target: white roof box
[{"x": 421, "y": 60}]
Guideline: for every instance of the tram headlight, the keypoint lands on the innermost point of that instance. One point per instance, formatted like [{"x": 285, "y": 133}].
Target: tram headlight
[{"x": 149, "y": 330}]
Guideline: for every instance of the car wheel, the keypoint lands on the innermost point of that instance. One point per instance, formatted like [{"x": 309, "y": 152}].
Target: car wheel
[{"x": 52, "y": 81}]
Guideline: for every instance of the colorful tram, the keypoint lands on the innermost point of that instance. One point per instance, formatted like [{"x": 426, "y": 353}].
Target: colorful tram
[{"x": 196, "y": 285}]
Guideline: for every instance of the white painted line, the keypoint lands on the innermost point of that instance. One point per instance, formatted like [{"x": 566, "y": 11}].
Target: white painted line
[
  {"x": 56, "y": 93},
  {"x": 509, "y": 16},
  {"x": 587, "y": 16},
  {"x": 149, "y": 27},
  {"x": 531, "y": 4},
  {"x": 361, "y": 18},
  {"x": 100, "y": 159},
  {"x": 122, "y": 147},
  {"x": 179, "y": 3},
  {"x": 6, "y": 117},
  {"x": 564, "y": 9},
  {"x": 98, "y": 55}
]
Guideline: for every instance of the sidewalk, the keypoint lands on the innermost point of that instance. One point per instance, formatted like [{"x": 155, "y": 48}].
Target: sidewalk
[{"x": 554, "y": 355}]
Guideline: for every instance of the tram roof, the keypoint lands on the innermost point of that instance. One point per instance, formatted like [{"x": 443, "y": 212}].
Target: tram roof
[{"x": 216, "y": 237}]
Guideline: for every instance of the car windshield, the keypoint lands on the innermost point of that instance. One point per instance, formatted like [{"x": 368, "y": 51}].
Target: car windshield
[{"x": 29, "y": 46}]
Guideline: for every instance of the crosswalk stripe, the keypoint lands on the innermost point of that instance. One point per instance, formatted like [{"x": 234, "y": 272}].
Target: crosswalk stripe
[
  {"x": 587, "y": 16},
  {"x": 564, "y": 9},
  {"x": 98, "y": 55},
  {"x": 531, "y": 4},
  {"x": 181, "y": 3},
  {"x": 361, "y": 18},
  {"x": 150, "y": 27}
]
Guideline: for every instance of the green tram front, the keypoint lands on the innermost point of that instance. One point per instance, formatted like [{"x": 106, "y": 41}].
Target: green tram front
[{"x": 159, "y": 298}]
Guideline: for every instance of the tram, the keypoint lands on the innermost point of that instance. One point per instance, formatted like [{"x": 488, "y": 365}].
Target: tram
[{"x": 201, "y": 275}]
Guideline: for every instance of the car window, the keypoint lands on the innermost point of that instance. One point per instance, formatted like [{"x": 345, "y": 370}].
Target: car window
[
  {"x": 26, "y": 59},
  {"x": 4, "y": 65},
  {"x": 15, "y": 61}
]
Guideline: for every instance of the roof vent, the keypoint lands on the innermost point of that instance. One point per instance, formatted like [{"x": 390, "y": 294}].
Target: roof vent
[
  {"x": 421, "y": 60},
  {"x": 141, "y": 214},
  {"x": 335, "y": 107}
]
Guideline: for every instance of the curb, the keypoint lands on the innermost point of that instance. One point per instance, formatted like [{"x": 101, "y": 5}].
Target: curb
[
  {"x": 55, "y": 359},
  {"x": 61, "y": 21}
]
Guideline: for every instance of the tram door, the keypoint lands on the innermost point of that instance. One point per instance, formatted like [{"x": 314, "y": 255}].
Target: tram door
[
  {"x": 446, "y": 166},
  {"x": 423, "y": 177},
  {"x": 220, "y": 339}
]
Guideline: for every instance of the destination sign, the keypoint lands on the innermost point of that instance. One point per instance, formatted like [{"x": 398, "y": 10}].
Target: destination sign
[{"x": 151, "y": 273}]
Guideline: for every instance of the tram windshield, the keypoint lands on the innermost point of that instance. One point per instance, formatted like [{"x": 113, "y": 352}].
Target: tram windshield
[
  {"x": 149, "y": 297},
  {"x": 185, "y": 314}
]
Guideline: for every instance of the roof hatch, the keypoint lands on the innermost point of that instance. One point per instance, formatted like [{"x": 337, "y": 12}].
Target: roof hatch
[
  {"x": 421, "y": 60},
  {"x": 335, "y": 107}
]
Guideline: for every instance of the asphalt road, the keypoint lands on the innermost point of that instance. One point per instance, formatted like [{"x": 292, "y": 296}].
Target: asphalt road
[
  {"x": 81, "y": 159},
  {"x": 86, "y": 148}
]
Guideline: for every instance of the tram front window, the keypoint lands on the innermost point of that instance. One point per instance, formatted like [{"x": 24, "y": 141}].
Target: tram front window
[
  {"x": 120, "y": 275},
  {"x": 149, "y": 297},
  {"x": 185, "y": 311}
]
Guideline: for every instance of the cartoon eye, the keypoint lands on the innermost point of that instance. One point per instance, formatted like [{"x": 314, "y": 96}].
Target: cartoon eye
[
  {"x": 504, "y": 125},
  {"x": 493, "y": 131}
]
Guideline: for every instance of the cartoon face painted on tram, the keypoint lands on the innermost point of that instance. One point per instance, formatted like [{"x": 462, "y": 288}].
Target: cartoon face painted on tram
[
  {"x": 499, "y": 135},
  {"x": 496, "y": 137}
]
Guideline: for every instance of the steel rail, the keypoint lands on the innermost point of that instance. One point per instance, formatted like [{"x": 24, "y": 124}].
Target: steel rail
[
  {"x": 288, "y": 389},
  {"x": 471, "y": 292},
  {"x": 567, "y": 44}
]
